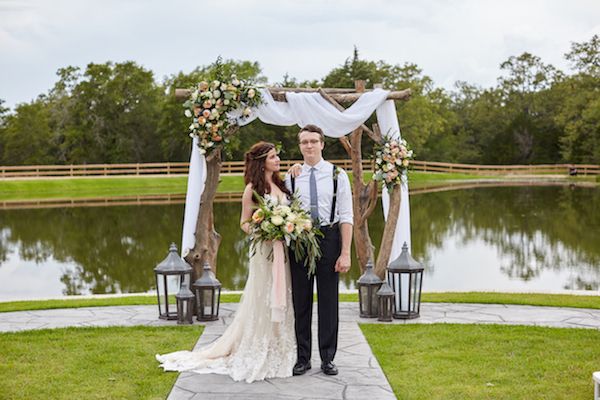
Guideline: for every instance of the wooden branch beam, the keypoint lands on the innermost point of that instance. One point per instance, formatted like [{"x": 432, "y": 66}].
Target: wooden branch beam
[{"x": 339, "y": 95}]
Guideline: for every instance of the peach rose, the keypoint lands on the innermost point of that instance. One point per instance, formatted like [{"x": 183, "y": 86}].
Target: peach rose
[
  {"x": 289, "y": 227},
  {"x": 258, "y": 216}
]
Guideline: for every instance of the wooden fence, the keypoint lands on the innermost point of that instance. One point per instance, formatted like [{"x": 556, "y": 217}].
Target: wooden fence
[{"x": 237, "y": 167}]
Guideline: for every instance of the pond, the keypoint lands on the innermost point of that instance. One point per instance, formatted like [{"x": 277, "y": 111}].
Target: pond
[{"x": 506, "y": 238}]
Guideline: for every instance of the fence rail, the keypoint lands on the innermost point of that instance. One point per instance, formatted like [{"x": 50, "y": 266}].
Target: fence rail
[{"x": 237, "y": 167}]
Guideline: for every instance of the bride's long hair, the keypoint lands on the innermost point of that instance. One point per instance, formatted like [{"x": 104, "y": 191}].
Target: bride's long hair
[{"x": 254, "y": 169}]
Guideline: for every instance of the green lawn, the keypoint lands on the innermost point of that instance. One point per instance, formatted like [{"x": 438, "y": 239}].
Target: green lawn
[
  {"x": 456, "y": 362},
  {"x": 438, "y": 361},
  {"x": 29, "y": 189},
  {"x": 90, "y": 363},
  {"x": 536, "y": 299}
]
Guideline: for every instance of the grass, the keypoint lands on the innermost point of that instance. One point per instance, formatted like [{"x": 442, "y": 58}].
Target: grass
[
  {"x": 531, "y": 299},
  {"x": 29, "y": 189},
  {"x": 25, "y": 305},
  {"x": 447, "y": 361},
  {"x": 90, "y": 363},
  {"x": 534, "y": 299}
]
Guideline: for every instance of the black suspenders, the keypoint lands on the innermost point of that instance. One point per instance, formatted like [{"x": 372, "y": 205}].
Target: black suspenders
[
  {"x": 335, "y": 186},
  {"x": 335, "y": 176}
]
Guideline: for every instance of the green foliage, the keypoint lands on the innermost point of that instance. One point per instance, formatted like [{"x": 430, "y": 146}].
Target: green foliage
[{"x": 27, "y": 137}]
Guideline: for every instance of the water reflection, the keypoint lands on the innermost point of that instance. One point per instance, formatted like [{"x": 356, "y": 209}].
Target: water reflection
[{"x": 494, "y": 238}]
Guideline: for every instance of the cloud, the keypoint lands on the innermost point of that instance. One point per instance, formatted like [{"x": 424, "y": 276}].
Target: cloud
[{"x": 458, "y": 40}]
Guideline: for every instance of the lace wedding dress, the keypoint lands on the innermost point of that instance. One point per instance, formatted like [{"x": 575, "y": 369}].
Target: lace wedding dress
[{"x": 253, "y": 347}]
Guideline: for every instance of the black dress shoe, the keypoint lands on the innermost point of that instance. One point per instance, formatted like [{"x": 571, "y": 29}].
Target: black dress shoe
[
  {"x": 329, "y": 368},
  {"x": 301, "y": 368}
]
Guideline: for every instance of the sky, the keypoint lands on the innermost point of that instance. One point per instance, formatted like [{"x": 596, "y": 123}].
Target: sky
[{"x": 449, "y": 40}]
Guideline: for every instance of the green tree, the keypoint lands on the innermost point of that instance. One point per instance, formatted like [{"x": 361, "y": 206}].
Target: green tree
[
  {"x": 579, "y": 115},
  {"x": 424, "y": 116},
  {"x": 4, "y": 112},
  {"x": 27, "y": 137},
  {"x": 529, "y": 112}
]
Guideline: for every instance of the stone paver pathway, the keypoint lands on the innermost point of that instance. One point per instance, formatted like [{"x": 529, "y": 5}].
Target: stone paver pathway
[{"x": 360, "y": 374}]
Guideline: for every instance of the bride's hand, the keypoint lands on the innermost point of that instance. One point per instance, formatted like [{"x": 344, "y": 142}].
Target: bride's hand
[{"x": 295, "y": 170}]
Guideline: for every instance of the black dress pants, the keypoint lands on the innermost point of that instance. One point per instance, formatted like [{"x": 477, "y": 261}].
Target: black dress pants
[{"x": 327, "y": 294}]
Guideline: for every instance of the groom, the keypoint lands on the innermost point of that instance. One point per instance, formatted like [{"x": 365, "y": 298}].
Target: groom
[{"x": 325, "y": 191}]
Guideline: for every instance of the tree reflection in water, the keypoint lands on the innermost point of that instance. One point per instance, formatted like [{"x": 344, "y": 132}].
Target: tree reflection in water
[{"x": 114, "y": 249}]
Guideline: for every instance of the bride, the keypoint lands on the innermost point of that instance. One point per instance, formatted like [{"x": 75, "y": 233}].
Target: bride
[{"x": 259, "y": 343}]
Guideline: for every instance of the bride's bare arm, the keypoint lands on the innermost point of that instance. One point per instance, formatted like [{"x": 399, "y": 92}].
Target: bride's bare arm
[{"x": 247, "y": 208}]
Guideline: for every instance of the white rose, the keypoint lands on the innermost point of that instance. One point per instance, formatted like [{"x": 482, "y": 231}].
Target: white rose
[
  {"x": 223, "y": 87},
  {"x": 276, "y": 220},
  {"x": 285, "y": 209},
  {"x": 226, "y": 102},
  {"x": 405, "y": 162},
  {"x": 188, "y": 113},
  {"x": 251, "y": 93},
  {"x": 216, "y": 94},
  {"x": 247, "y": 111}
]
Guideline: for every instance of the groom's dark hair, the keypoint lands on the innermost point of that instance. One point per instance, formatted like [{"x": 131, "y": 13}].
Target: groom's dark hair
[{"x": 314, "y": 129}]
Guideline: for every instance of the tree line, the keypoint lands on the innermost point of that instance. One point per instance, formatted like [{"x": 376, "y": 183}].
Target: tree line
[{"x": 120, "y": 113}]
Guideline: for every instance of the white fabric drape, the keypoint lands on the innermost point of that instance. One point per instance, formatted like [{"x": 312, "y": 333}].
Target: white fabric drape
[
  {"x": 302, "y": 109},
  {"x": 311, "y": 108},
  {"x": 195, "y": 187},
  {"x": 388, "y": 124}
]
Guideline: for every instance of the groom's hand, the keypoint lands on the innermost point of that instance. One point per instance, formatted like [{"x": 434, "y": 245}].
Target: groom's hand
[
  {"x": 295, "y": 170},
  {"x": 343, "y": 263}
]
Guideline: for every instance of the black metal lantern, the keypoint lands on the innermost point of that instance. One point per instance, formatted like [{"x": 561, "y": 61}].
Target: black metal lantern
[
  {"x": 405, "y": 275},
  {"x": 185, "y": 305},
  {"x": 208, "y": 295},
  {"x": 170, "y": 275},
  {"x": 368, "y": 285},
  {"x": 385, "y": 298}
]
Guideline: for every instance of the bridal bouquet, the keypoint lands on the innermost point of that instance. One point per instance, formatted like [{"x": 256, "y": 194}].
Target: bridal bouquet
[
  {"x": 209, "y": 105},
  {"x": 391, "y": 159},
  {"x": 273, "y": 220}
]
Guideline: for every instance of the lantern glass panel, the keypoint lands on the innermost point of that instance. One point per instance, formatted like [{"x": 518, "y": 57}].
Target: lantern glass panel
[
  {"x": 374, "y": 301},
  {"x": 414, "y": 291},
  {"x": 364, "y": 299},
  {"x": 167, "y": 286},
  {"x": 185, "y": 310},
  {"x": 208, "y": 302},
  {"x": 385, "y": 308}
]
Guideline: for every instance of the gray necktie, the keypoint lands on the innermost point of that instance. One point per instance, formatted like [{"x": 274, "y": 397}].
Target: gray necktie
[{"x": 314, "y": 200}]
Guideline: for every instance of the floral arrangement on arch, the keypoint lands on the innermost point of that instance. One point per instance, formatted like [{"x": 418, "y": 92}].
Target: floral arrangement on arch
[
  {"x": 211, "y": 107},
  {"x": 273, "y": 220},
  {"x": 392, "y": 158}
]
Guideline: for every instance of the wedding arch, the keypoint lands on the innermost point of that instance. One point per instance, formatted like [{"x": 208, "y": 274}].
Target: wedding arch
[{"x": 303, "y": 106}]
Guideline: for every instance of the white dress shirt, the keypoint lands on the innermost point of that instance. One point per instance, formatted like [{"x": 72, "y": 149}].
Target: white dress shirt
[{"x": 324, "y": 178}]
